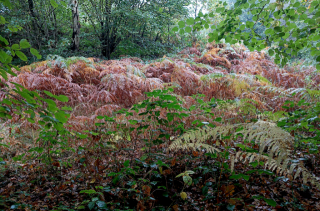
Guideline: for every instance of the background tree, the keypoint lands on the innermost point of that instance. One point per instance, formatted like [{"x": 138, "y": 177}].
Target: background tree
[{"x": 76, "y": 25}]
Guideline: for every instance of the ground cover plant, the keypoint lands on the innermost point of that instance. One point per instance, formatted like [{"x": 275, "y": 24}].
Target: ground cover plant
[{"x": 218, "y": 127}]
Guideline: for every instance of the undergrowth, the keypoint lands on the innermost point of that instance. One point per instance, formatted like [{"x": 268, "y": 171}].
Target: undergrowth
[{"x": 227, "y": 131}]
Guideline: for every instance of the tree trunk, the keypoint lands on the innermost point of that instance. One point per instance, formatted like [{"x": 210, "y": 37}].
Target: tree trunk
[
  {"x": 31, "y": 9},
  {"x": 76, "y": 25}
]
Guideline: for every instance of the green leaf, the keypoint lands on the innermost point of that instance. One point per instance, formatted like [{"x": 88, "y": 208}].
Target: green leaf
[
  {"x": 101, "y": 204},
  {"x": 235, "y": 176},
  {"x": 246, "y": 177},
  {"x": 88, "y": 191},
  {"x": 48, "y": 93},
  {"x": 30, "y": 120},
  {"x": 63, "y": 4},
  {"x": 62, "y": 98},
  {"x": 271, "y": 52},
  {"x": 230, "y": 207},
  {"x": 175, "y": 29},
  {"x": 35, "y": 53},
  {"x": 7, "y": 3},
  {"x": 2, "y": 20},
  {"x": 270, "y": 202},
  {"x": 15, "y": 47},
  {"x": 205, "y": 190},
  {"x": 4, "y": 40},
  {"x": 91, "y": 205},
  {"x": 24, "y": 44},
  {"x": 21, "y": 55},
  {"x": 190, "y": 21},
  {"x": 65, "y": 108},
  {"x": 61, "y": 116},
  {"x": 181, "y": 24},
  {"x": 188, "y": 29},
  {"x": 54, "y": 3},
  {"x": 6, "y": 101}
]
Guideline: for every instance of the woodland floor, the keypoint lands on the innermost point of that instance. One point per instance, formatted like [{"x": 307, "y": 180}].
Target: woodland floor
[{"x": 130, "y": 174}]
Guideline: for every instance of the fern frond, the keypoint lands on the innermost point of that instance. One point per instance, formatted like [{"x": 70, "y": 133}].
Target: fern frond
[
  {"x": 294, "y": 171},
  {"x": 263, "y": 79},
  {"x": 309, "y": 95},
  {"x": 270, "y": 138}
]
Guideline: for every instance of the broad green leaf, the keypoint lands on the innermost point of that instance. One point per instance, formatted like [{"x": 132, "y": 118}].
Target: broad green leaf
[
  {"x": 63, "y": 4},
  {"x": 15, "y": 47},
  {"x": 271, "y": 202},
  {"x": 21, "y": 55},
  {"x": 101, "y": 204},
  {"x": 62, "y": 116},
  {"x": 48, "y": 93},
  {"x": 35, "y": 53},
  {"x": 187, "y": 180},
  {"x": 88, "y": 191},
  {"x": 24, "y": 44},
  {"x": 188, "y": 29},
  {"x": 4, "y": 40},
  {"x": 54, "y": 3},
  {"x": 2, "y": 20},
  {"x": 62, "y": 98},
  {"x": 181, "y": 24},
  {"x": 175, "y": 29},
  {"x": 190, "y": 21}
]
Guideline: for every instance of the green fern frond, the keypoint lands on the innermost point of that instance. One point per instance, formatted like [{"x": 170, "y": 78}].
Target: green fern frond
[
  {"x": 263, "y": 79},
  {"x": 273, "y": 116},
  {"x": 247, "y": 105}
]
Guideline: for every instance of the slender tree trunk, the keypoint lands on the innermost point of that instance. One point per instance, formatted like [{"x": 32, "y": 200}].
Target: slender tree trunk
[
  {"x": 76, "y": 25},
  {"x": 195, "y": 11}
]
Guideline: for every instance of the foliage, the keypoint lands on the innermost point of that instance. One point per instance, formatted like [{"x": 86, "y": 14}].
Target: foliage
[
  {"x": 285, "y": 37},
  {"x": 214, "y": 127}
]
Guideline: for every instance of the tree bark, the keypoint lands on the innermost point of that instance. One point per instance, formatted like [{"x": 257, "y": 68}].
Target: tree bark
[{"x": 76, "y": 25}]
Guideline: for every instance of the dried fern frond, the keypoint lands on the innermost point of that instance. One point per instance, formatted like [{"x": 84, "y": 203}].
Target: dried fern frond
[
  {"x": 270, "y": 137},
  {"x": 281, "y": 168},
  {"x": 266, "y": 134},
  {"x": 273, "y": 89},
  {"x": 249, "y": 79},
  {"x": 135, "y": 71},
  {"x": 212, "y": 76}
]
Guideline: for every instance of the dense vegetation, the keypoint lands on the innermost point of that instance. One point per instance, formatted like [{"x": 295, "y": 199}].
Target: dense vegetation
[{"x": 159, "y": 105}]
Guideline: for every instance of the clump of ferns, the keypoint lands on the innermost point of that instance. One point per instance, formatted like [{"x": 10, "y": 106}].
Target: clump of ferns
[
  {"x": 247, "y": 106},
  {"x": 270, "y": 139},
  {"x": 273, "y": 116},
  {"x": 65, "y": 63},
  {"x": 211, "y": 76},
  {"x": 135, "y": 71},
  {"x": 249, "y": 79}
]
